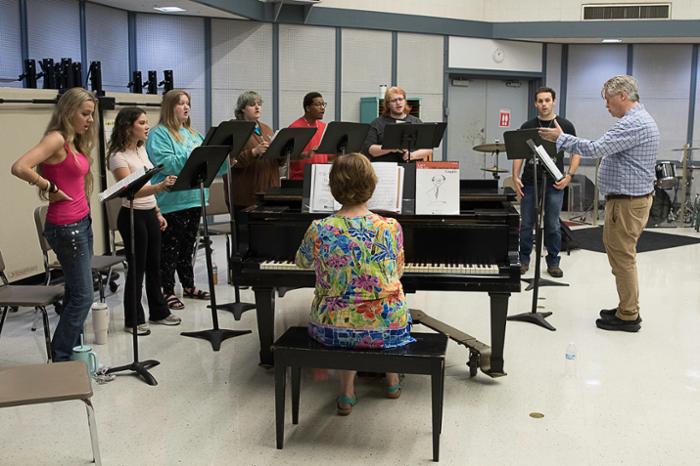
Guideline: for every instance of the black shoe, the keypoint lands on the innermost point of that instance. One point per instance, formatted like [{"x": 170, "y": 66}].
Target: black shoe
[
  {"x": 616, "y": 324},
  {"x": 555, "y": 271},
  {"x": 610, "y": 313}
]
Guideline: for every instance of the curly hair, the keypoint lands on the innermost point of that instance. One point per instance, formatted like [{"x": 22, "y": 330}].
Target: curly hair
[
  {"x": 621, "y": 84},
  {"x": 121, "y": 133},
  {"x": 352, "y": 179}
]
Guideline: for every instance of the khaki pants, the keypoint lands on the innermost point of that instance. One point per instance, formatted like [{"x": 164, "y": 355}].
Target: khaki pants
[{"x": 624, "y": 221}]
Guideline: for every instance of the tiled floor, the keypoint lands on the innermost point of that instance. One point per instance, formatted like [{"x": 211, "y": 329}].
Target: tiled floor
[{"x": 627, "y": 399}]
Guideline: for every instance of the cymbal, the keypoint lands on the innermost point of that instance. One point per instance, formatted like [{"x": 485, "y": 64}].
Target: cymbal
[
  {"x": 500, "y": 147},
  {"x": 494, "y": 170}
]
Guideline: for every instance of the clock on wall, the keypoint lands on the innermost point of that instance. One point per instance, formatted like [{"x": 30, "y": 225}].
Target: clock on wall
[{"x": 498, "y": 55}]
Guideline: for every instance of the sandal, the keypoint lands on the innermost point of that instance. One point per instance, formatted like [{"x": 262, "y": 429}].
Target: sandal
[
  {"x": 344, "y": 404},
  {"x": 195, "y": 293},
  {"x": 174, "y": 302},
  {"x": 393, "y": 391}
]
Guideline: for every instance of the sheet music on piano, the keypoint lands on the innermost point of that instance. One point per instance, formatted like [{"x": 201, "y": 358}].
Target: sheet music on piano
[
  {"x": 121, "y": 184},
  {"x": 321, "y": 199}
]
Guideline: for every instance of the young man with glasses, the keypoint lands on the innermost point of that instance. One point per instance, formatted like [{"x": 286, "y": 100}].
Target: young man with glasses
[
  {"x": 396, "y": 110},
  {"x": 314, "y": 109}
]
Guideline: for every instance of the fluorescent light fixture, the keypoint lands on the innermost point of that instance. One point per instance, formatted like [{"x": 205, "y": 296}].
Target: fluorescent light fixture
[
  {"x": 169, "y": 9},
  {"x": 611, "y": 41}
]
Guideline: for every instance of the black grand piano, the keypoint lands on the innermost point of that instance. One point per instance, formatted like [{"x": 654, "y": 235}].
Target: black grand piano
[{"x": 474, "y": 251}]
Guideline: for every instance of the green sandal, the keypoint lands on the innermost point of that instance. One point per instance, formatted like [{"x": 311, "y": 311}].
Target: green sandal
[
  {"x": 393, "y": 391},
  {"x": 344, "y": 404}
]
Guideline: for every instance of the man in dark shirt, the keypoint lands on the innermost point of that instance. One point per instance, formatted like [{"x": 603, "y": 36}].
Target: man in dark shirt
[
  {"x": 545, "y": 99},
  {"x": 396, "y": 110}
]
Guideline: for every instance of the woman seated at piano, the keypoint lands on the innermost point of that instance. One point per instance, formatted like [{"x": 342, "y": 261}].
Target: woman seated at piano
[
  {"x": 358, "y": 258},
  {"x": 396, "y": 110}
]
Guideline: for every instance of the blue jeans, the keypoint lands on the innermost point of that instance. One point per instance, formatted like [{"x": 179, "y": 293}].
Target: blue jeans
[
  {"x": 552, "y": 230},
  {"x": 72, "y": 244}
]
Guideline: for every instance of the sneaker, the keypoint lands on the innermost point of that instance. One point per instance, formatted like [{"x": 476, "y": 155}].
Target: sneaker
[
  {"x": 141, "y": 329},
  {"x": 616, "y": 324},
  {"x": 610, "y": 313},
  {"x": 555, "y": 271},
  {"x": 524, "y": 268},
  {"x": 172, "y": 319}
]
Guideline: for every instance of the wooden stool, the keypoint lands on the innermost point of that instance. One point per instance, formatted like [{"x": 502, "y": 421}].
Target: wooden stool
[
  {"x": 296, "y": 349},
  {"x": 47, "y": 383}
]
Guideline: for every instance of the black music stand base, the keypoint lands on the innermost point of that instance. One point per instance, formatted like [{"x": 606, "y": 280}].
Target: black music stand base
[
  {"x": 140, "y": 369},
  {"x": 541, "y": 282},
  {"x": 237, "y": 308},
  {"x": 215, "y": 336},
  {"x": 537, "y": 318}
]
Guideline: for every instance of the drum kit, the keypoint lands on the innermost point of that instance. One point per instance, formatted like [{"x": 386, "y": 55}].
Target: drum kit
[
  {"x": 683, "y": 212},
  {"x": 493, "y": 149}
]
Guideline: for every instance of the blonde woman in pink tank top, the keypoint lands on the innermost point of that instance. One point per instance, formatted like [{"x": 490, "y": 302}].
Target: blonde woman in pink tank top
[{"x": 59, "y": 165}]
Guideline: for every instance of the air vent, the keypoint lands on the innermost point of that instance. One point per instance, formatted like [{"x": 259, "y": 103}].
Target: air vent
[{"x": 626, "y": 11}]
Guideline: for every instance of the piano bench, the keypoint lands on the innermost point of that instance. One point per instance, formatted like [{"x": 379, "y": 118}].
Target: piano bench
[{"x": 296, "y": 349}]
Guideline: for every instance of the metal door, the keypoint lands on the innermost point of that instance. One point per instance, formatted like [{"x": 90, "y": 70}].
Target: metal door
[{"x": 475, "y": 107}]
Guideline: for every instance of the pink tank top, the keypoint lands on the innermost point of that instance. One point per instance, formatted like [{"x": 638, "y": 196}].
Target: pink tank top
[{"x": 69, "y": 176}]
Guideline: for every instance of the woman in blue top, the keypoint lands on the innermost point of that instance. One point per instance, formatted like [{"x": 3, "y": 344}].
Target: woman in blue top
[{"x": 170, "y": 144}]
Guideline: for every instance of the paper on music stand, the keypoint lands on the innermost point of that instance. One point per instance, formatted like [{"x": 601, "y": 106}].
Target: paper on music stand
[
  {"x": 321, "y": 199},
  {"x": 549, "y": 163},
  {"x": 437, "y": 188},
  {"x": 388, "y": 194},
  {"x": 121, "y": 184}
]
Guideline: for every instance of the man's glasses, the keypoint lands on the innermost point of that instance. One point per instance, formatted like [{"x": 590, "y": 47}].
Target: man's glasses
[
  {"x": 320, "y": 104},
  {"x": 396, "y": 100}
]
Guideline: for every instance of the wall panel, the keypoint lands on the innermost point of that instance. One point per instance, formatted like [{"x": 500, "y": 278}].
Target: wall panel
[
  {"x": 663, "y": 73},
  {"x": 307, "y": 63},
  {"x": 176, "y": 43},
  {"x": 241, "y": 61},
  {"x": 54, "y": 29},
  {"x": 420, "y": 73},
  {"x": 366, "y": 65},
  {"x": 107, "y": 34},
  {"x": 10, "y": 42}
]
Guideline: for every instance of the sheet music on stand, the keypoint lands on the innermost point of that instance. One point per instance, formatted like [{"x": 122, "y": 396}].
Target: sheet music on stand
[
  {"x": 549, "y": 164},
  {"x": 321, "y": 199},
  {"x": 387, "y": 196},
  {"x": 121, "y": 184}
]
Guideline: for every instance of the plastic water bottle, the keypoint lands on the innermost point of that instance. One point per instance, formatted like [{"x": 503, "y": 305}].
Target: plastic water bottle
[{"x": 570, "y": 354}]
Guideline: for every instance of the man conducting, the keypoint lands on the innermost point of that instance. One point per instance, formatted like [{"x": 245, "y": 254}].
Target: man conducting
[
  {"x": 628, "y": 153},
  {"x": 545, "y": 99}
]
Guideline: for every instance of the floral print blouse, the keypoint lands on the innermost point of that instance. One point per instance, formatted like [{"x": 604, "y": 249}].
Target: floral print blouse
[{"x": 359, "y": 300}]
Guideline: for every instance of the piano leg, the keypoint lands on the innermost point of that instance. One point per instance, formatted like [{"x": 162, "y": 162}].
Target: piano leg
[
  {"x": 265, "y": 305},
  {"x": 499, "y": 312}
]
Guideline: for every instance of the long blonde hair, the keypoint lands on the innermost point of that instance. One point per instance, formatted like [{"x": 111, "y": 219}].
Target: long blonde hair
[
  {"x": 61, "y": 121},
  {"x": 167, "y": 113}
]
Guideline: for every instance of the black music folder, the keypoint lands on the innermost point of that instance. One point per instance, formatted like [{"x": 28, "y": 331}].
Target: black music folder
[{"x": 343, "y": 137}]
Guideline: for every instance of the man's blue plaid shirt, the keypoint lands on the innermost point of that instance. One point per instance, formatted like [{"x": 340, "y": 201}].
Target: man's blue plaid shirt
[{"x": 628, "y": 151}]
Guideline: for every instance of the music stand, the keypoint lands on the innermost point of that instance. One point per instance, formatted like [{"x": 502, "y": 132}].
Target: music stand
[
  {"x": 289, "y": 143},
  {"x": 233, "y": 133},
  {"x": 199, "y": 172},
  {"x": 520, "y": 144},
  {"x": 139, "y": 368},
  {"x": 413, "y": 136},
  {"x": 343, "y": 137}
]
